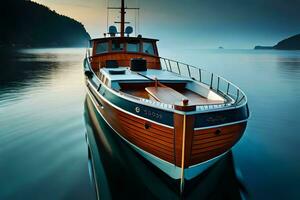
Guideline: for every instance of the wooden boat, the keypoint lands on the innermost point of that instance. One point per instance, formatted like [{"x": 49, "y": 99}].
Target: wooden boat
[
  {"x": 132, "y": 178},
  {"x": 181, "y": 118}
]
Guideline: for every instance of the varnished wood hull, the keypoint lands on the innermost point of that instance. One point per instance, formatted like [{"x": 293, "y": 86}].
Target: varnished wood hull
[
  {"x": 164, "y": 144},
  {"x": 207, "y": 143}
]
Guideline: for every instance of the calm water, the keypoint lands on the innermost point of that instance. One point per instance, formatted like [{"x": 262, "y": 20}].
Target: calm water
[{"x": 43, "y": 153}]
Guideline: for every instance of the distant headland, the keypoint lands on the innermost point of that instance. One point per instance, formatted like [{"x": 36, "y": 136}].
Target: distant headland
[
  {"x": 291, "y": 43},
  {"x": 29, "y": 24}
]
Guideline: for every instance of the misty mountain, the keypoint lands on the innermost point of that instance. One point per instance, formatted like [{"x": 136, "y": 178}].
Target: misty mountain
[
  {"x": 28, "y": 24},
  {"x": 291, "y": 43}
]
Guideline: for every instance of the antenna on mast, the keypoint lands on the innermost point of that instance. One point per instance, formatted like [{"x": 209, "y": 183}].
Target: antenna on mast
[{"x": 122, "y": 12}]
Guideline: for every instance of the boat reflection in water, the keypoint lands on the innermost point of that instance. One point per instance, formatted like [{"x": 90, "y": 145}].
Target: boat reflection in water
[{"x": 117, "y": 171}]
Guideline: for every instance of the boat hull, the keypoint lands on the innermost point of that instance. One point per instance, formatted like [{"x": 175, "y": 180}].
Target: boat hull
[{"x": 161, "y": 143}]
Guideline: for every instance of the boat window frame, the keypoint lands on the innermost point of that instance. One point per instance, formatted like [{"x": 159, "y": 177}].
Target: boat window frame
[
  {"x": 137, "y": 42},
  {"x": 153, "y": 47},
  {"x": 121, "y": 42},
  {"x": 107, "y": 47}
]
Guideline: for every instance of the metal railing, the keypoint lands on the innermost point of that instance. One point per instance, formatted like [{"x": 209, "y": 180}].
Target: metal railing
[
  {"x": 146, "y": 101},
  {"x": 216, "y": 83}
]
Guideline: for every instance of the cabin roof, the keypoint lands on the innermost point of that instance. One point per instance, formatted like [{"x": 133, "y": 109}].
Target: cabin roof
[{"x": 123, "y": 38}]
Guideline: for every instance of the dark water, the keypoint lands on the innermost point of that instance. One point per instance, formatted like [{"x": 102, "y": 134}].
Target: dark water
[{"x": 44, "y": 117}]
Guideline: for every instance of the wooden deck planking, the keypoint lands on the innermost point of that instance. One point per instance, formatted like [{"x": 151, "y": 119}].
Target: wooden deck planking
[{"x": 166, "y": 95}]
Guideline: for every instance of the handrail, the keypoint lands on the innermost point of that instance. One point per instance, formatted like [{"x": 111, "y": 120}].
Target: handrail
[
  {"x": 145, "y": 101},
  {"x": 217, "y": 83},
  {"x": 88, "y": 53},
  {"x": 223, "y": 87}
]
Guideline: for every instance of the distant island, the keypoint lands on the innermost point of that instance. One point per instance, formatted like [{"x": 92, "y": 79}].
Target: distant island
[
  {"x": 291, "y": 43},
  {"x": 29, "y": 24}
]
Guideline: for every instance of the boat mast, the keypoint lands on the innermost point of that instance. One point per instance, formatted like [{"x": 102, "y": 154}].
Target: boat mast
[
  {"x": 123, "y": 12},
  {"x": 122, "y": 22}
]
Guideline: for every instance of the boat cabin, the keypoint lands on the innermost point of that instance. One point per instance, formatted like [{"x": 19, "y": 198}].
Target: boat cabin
[
  {"x": 119, "y": 51},
  {"x": 131, "y": 66}
]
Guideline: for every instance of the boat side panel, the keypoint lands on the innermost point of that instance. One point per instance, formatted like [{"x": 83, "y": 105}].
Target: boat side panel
[
  {"x": 153, "y": 138},
  {"x": 209, "y": 143},
  {"x": 221, "y": 117},
  {"x": 163, "y": 141},
  {"x": 157, "y": 115}
]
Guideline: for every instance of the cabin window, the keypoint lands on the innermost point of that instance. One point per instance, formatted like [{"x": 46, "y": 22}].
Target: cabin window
[
  {"x": 102, "y": 47},
  {"x": 117, "y": 46},
  {"x": 133, "y": 46},
  {"x": 148, "y": 48}
]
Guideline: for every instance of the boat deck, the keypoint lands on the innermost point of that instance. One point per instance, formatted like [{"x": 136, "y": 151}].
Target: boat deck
[
  {"x": 173, "y": 92},
  {"x": 193, "y": 97},
  {"x": 126, "y": 74}
]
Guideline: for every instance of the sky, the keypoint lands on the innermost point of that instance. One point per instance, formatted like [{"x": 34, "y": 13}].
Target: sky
[{"x": 196, "y": 24}]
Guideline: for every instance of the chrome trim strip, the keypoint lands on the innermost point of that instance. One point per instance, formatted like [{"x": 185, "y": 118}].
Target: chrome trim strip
[
  {"x": 215, "y": 110},
  {"x": 216, "y": 126},
  {"x": 129, "y": 113}
]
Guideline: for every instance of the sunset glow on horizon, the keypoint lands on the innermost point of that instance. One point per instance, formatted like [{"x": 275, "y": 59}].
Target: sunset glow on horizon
[{"x": 232, "y": 24}]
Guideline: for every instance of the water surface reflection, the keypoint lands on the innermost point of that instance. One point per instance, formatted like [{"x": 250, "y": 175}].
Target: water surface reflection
[
  {"x": 42, "y": 146},
  {"x": 43, "y": 153}
]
